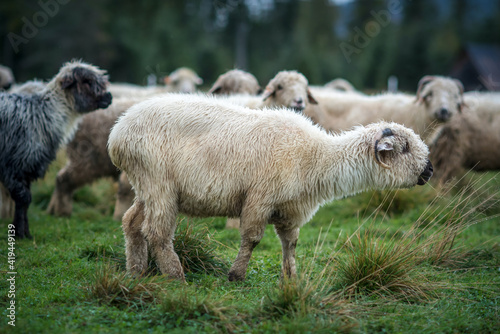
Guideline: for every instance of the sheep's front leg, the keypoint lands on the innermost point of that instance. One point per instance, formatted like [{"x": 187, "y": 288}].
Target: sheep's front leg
[
  {"x": 21, "y": 194},
  {"x": 159, "y": 229},
  {"x": 288, "y": 239},
  {"x": 136, "y": 248},
  {"x": 252, "y": 231}
]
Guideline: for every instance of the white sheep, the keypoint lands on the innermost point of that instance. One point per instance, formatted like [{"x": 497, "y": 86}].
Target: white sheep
[
  {"x": 183, "y": 80},
  {"x": 341, "y": 85},
  {"x": 286, "y": 89},
  {"x": 437, "y": 100},
  {"x": 236, "y": 82},
  {"x": 470, "y": 141},
  {"x": 203, "y": 156}
]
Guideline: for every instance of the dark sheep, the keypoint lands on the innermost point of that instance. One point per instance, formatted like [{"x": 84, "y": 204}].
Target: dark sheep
[{"x": 33, "y": 127}]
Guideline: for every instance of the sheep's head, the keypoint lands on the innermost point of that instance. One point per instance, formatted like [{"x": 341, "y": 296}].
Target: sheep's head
[
  {"x": 183, "y": 80},
  {"x": 6, "y": 78},
  {"x": 236, "y": 82},
  {"x": 401, "y": 153},
  {"x": 85, "y": 86},
  {"x": 340, "y": 85},
  {"x": 442, "y": 97},
  {"x": 288, "y": 89}
]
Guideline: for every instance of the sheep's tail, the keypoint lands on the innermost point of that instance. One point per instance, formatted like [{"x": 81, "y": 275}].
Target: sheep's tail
[{"x": 115, "y": 147}]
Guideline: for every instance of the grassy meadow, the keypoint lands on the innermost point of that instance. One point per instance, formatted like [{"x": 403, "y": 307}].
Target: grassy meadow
[{"x": 423, "y": 260}]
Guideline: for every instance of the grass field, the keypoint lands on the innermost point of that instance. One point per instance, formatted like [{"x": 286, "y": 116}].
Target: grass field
[{"x": 411, "y": 261}]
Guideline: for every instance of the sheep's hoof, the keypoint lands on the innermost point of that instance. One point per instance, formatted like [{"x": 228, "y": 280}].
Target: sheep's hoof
[
  {"x": 23, "y": 236},
  {"x": 233, "y": 277}
]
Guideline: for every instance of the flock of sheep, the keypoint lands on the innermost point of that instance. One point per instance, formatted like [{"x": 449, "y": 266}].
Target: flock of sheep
[{"x": 256, "y": 156}]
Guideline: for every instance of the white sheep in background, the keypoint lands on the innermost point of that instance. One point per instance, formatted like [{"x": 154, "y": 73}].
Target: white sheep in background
[
  {"x": 437, "y": 100},
  {"x": 288, "y": 89},
  {"x": 341, "y": 85},
  {"x": 203, "y": 156},
  {"x": 470, "y": 141},
  {"x": 236, "y": 82},
  {"x": 182, "y": 80}
]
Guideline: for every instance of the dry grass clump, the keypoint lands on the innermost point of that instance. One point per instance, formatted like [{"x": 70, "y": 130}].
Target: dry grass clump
[
  {"x": 114, "y": 287},
  {"x": 388, "y": 264},
  {"x": 194, "y": 244}
]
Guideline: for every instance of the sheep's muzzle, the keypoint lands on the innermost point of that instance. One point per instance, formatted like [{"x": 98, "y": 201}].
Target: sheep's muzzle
[
  {"x": 105, "y": 100},
  {"x": 426, "y": 174}
]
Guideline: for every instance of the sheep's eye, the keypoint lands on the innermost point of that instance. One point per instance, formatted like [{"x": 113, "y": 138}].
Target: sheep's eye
[
  {"x": 428, "y": 96},
  {"x": 280, "y": 87},
  {"x": 406, "y": 149}
]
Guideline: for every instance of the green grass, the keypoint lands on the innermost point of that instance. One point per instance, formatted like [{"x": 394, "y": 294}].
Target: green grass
[{"x": 407, "y": 261}]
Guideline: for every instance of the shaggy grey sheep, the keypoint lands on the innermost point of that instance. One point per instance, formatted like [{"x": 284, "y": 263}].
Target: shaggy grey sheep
[{"x": 33, "y": 127}]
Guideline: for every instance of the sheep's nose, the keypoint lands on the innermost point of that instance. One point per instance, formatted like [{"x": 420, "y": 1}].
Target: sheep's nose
[
  {"x": 426, "y": 174},
  {"x": 443, "y": 112},
  {"x": 299, "y": 100}
]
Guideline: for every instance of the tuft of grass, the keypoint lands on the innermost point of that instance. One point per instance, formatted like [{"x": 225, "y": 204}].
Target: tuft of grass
[
  {"x": 114, "y": 287},
  {"x": 194, "y": 244},
  {"x": 197, "y": 250},
  {"x": 383, "y": 266}
]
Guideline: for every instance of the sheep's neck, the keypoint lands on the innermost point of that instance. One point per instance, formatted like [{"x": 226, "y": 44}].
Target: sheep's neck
[
  {"x": 344, "y": 168},
  {"x": 61, "y": 113}
]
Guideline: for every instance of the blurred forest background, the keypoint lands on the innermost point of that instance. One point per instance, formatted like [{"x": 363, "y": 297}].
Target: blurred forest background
[{"x": 321, "y": 38}]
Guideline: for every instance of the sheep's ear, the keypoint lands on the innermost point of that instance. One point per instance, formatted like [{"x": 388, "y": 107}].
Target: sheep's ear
[
  {"x": 311, "y": 98},
  {"x": 385, "y": 146},
  {"x": 421, "y": 84},
  {"x": 460, "y": 86},
  {"x": 198, "y": 80},
  {"x": 68, "y": 81},
  {"x": 383, "y": 143},
  {"x": 215, "y": 90},
  {"x": 167, "y": 80},
  {"x": 267, "y": 93}
]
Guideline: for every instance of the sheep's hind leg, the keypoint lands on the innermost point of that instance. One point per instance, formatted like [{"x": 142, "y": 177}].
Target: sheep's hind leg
[
  {"x": 67, "y": 181},
  {"x": 288, "y": 239},
  {"x": 136, "y": 248},
  {"x": 252, "y": 229},
  {"x": 159, "y": 229}
]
